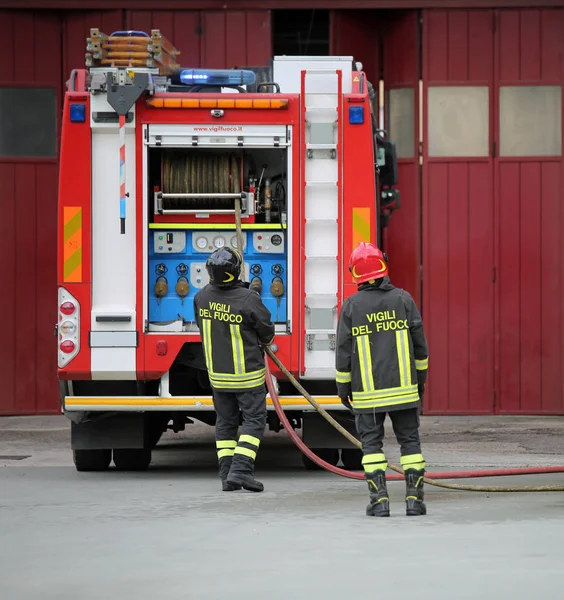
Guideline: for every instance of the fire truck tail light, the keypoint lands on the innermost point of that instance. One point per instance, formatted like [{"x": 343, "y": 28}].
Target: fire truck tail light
[
  {"x": 175, "y": 102},
  {"x": 67, "y": 308},
  {"x": 67, "y": 347},
  {"x": 69, "y": 327}
]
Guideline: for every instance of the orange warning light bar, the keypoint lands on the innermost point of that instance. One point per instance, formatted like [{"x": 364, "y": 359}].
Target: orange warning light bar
[{"x": 268, "y": 103}]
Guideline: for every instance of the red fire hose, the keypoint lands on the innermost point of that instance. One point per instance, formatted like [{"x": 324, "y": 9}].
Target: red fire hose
[{"x": 431, "y": 479}]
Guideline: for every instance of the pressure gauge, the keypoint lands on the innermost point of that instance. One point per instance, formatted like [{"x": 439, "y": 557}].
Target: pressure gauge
[
  {"x": 234, "y": 241},
  {"x": 276, "y": 239},
  {"x": 219, "y": 242},
  {"x": 201, "y": 243}
]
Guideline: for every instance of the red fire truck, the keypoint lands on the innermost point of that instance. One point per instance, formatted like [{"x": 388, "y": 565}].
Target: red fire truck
[{"x": 153, "y": 158}]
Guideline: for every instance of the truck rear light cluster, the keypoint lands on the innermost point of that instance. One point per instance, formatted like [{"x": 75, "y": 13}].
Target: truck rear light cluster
[{"x": 68, "y": 328}]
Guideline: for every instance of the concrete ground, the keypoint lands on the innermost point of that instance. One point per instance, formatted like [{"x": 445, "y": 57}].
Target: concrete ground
[{"x": 170, "y": 533}]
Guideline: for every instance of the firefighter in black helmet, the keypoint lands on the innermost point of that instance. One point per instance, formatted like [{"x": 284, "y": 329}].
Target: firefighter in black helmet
[
  {"x": 234, "y": 324},
  {"x": 381, "y": 363}
]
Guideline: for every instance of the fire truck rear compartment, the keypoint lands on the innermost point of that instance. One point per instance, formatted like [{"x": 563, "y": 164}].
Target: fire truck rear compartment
[{"x": 191, "y": 208}]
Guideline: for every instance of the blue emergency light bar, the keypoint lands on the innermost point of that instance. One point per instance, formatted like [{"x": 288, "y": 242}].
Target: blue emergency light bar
[{"x": 217, "y": 77}]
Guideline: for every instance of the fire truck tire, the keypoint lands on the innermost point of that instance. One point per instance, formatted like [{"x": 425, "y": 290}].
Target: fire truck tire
[
  {"x": 92, "y": 460},
  {"x": 329, "y": 455},
  {"x": 352, "y": 459},
  {"x": 132, "y": 459}
]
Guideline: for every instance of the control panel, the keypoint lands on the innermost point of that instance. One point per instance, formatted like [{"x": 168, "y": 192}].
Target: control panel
[{"x": 177, "y": 269}]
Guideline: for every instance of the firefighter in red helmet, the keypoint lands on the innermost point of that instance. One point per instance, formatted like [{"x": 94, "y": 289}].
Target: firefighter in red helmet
[{"x": 381, "y": 363}]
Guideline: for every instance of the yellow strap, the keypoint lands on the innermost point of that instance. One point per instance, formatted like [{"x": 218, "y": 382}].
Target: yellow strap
[
  {"x": 402, "y": 346},
  {"x": 365, "y": 360},
  {"x": 207, "y": 341},
  {"x": 224, "y": 453},
  {"x": 372, "y": 458},
  {"x": 413, "y": 461},
  {"x": 235, "y": 377},
  {"x": 386, "y": 392},
  {"x": 249, "y": 439},
  {"x": 422, "y": 364},
  {"x": 238, "y": 349},
  {"x": 246, "y": 452},
  {"x": 342, "y": 377},
  {"x": 226, "y": 444}
]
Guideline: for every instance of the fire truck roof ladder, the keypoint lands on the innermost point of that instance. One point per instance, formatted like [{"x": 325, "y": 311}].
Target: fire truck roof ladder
[{"x": 321, "y": 91}]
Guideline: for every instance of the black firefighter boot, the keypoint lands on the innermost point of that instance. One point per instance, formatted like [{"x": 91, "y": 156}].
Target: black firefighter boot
[
  {"x": 224, "y": 466},
  {"x": 414, "y": 495},
  {"x": 379, "y": 500},
  {"x": 244, "y": 479}
]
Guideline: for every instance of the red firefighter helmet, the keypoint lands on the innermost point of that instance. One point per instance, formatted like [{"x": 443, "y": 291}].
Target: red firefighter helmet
[{"x": 367, "y": 262}]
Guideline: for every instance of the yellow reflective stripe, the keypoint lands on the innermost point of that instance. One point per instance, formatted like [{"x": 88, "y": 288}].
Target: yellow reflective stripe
[
  {"x": 365, "y": 360},
  {"x": 342, "y": 377},
  {"x": 238, "y": 385},
  {"x": 250, "y": 440},
  {"x": 371, "y": 458},
  {"x": 389, "y": 401},
  {"x": 402, "y": 346},
  {"x": 375, "y": 467},
  {"x": 224, "y": 453},
  {"x": 238, "y": 349},
  {"x": 421, "y": 365},
  {"x": 413, "y": 461},
  {"x": 246, "y": 452},
  {"x": 236, "y": 377},
  {"x": 207, "y": 340},
  {"x": 410, "y": 389},
  {"x": 226, "y": 443}
]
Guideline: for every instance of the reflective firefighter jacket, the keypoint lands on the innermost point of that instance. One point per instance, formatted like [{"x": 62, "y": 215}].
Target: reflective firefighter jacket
[
  {"x": 382, "y": 352},
  {"x": 233, "y": 322}
]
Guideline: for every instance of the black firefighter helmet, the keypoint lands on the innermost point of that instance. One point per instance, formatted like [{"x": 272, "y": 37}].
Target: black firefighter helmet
[{"x": 223, "y": 267}]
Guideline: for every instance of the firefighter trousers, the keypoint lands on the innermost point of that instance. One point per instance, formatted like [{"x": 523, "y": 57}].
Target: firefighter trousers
[
  {"x": 238, "y": 454},
  {"x": 370, "y": 426}
]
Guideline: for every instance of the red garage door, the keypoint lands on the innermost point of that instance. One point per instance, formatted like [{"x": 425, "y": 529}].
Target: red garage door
[
  {"x": 30, "y": 97},
  {"x": 530, "y": 216},
  {"x": 492, "y": 210}
]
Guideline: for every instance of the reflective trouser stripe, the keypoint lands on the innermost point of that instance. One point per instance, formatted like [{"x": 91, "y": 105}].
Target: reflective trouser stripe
[
  {"x": 246, "y": 452},
  {"x": 225, "y": 448},
  {"x": 413, "y": 461},
  {"x": 250, "y": 440},
  {"x": 422, "y": 364},
  {"x": 365, "y": 360},
  {"x": 374, "y": 462},
  {"x": 207, "y": 341},
  {"x": 342, "y": 377},
  {"x": 238, "y": 349},
  {"x": 402, "y": 345}
]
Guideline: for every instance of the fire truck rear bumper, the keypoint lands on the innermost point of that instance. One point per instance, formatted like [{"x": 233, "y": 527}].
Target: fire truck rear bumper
[{"x": 181, "y": 404}]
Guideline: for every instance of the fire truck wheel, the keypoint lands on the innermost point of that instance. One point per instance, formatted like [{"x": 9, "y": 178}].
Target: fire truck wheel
[
  {"x": 329, "y": 455},
  {"x": 132, "y": 459},
  {"x": 92, "y": 460},
  {"x": 352, "y": 459}
]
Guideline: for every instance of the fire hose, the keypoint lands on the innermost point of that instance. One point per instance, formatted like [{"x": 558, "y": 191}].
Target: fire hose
[
  {"x": 352, "y": 475},
  {"x": 431, "y": 481}
]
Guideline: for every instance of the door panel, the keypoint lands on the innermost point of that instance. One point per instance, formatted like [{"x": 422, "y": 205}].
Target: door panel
[
  {"x": 458, "y": 211},
  {"x": 529, "y": 191},
  {"x": 400, "y": 42}
]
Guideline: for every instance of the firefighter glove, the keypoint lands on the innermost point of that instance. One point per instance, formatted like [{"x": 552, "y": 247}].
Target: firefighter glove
[
  {"x": 347, "y": 404},
  {"x": 421, "y": 390}
]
